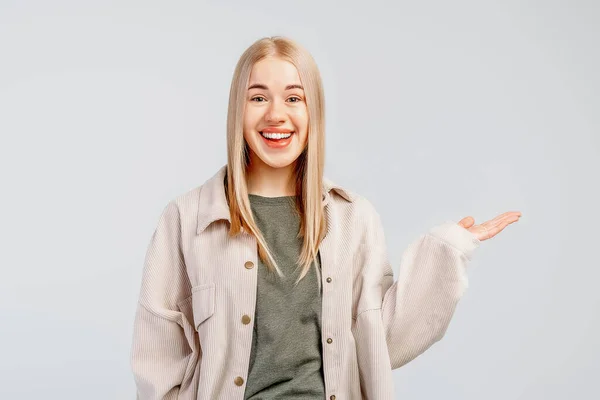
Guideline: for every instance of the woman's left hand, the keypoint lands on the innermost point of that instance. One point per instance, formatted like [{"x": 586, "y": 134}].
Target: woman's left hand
[{"x": 490, "y": 228}]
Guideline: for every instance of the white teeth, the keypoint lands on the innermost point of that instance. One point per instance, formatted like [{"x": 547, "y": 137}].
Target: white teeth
[{"x": 276, "y": 135}]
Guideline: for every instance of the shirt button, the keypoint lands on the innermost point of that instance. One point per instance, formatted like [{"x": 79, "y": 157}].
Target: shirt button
[
  {"x": 329, "y": 340},
  {"x": 245, "y": 320},
  {"x": 238, "y": 381},
  {"x": 332, "y": 397},
  {"x": 328, "y": 279},
  {"x": 249, "y": 265}
]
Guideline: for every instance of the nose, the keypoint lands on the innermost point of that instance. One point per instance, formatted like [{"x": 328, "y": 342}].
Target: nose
[{"x": 275, "y": 113}]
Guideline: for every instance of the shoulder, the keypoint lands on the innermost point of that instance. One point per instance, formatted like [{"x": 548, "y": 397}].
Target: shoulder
[
  {"x": 187, "y": 200},
  {"x": 180, "y": 211},
  {"x": 199, "y": 206},
  {"x": 351, "y": 205},
  {"x": 205, "y": 195}
]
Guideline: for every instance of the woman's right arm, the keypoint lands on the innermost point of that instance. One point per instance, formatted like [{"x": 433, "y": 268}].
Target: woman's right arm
[{"x": 162, "y": 354}]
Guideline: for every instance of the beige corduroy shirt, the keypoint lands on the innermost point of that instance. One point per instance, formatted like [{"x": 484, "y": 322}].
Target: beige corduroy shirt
[{"x": 193, "y": 332}]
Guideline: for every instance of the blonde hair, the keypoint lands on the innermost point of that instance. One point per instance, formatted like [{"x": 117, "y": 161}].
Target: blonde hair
[{"x": 309, "y": 165}]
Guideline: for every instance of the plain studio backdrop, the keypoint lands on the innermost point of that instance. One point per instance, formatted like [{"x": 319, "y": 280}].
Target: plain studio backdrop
[{"x": 435, "y": 110}]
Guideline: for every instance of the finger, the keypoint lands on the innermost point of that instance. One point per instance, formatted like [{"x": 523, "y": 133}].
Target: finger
[
  {"x": 506, "y": 214},
  {"x": 466, "y": 222},
  {"x": 494, "y": 228},
  {"x": 502, "y": 217}
]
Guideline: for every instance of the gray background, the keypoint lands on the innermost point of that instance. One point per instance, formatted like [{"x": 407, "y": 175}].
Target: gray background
[{"x": 436, "y": 110}]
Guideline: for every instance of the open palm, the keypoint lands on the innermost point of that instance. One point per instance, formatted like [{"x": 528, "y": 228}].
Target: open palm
[{"x": 490, "y": 228}]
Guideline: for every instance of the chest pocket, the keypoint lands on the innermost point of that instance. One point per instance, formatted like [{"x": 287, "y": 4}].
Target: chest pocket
[{"x": 203, "y": 302}]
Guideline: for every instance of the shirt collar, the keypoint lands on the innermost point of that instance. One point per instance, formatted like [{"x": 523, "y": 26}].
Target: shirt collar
[{"x": 212, "y": 204}]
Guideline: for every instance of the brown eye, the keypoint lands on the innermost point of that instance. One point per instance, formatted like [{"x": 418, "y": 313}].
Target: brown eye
[
  {"x": 256, "y": 98},
  {"x": 297, "y": 99}
]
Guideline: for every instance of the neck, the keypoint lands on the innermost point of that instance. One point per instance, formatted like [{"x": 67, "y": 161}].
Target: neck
[{"x": 264, "y": 180}]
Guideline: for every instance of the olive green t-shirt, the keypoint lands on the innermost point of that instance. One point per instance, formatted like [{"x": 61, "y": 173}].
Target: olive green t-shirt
[{"x": 286, "y": 355}]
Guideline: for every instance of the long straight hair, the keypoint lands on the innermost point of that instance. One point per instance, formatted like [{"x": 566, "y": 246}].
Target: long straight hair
[{"x": 309, "y": 165}]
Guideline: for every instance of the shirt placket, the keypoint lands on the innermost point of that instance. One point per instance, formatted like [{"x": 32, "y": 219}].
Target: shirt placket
[
  {"x": 329, "y": 330},
  {"x": 244, "y": 312}
]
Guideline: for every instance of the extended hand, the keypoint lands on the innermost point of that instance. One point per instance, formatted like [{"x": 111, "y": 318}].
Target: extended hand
[{"x": 490, "y": 228}]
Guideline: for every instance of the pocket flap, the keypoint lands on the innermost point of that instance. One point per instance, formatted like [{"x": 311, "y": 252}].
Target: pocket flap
[{"x": 203, "y": 302}]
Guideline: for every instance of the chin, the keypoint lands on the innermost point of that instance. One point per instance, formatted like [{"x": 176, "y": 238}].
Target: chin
[
  {"x": 276, "y": 160},
  {"x": 276, "y": 163}
]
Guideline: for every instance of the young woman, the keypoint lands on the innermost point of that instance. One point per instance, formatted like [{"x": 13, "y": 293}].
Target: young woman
[{"x": 269, "y": 281}]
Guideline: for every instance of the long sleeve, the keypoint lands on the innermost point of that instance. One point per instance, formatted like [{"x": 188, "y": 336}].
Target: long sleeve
[
  {"x": 417, "y": 308},
  {"x": 163, "y": 346}
]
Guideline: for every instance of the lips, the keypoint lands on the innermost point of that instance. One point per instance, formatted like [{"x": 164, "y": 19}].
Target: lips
[
  {"x": 291, "y": 134},
  {"x": 276, "y": 130},
  {"x": 277, "y": 143}
]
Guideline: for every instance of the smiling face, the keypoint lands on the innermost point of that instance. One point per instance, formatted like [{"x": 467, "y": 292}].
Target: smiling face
[{"x": 275, "y": 116}]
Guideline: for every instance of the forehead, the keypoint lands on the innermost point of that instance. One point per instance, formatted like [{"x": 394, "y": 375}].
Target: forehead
[{"x": 274, "y": 72}]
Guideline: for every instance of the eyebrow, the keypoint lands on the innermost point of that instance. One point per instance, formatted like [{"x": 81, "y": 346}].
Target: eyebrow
[{"x": 264, "y": 87}]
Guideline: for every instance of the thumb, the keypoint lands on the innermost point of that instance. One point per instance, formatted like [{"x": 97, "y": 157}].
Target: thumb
[{"x": 466, "y": 222}]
